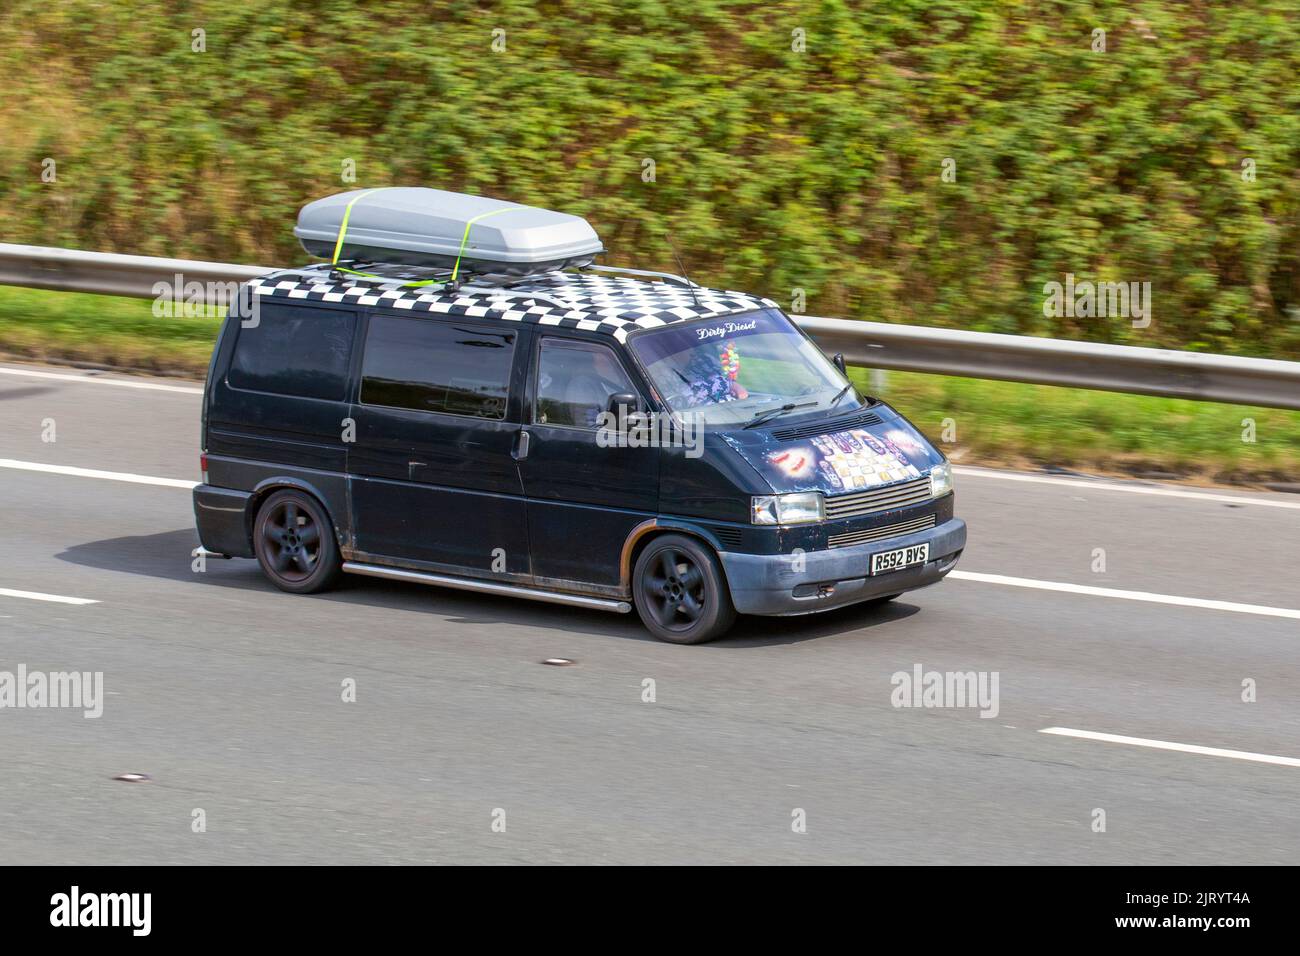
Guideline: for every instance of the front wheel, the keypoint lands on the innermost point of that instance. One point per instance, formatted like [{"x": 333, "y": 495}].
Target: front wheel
[{"x": 680, "y": 593}]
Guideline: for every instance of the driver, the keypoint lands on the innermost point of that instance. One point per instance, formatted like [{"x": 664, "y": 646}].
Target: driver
[
  {"x": 588, "y": 394},
  {"x": 711, "y": 379}
]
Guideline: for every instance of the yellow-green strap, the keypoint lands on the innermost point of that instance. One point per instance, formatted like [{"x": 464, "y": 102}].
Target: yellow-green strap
[
  {"x": 465, "y": 238},
  {"x": 347, "y": 214},
  {"x": 405, "y": 285},
  {"x": 343, "y": 231}
]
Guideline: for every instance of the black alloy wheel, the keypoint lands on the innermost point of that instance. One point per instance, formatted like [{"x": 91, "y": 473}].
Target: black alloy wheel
[
  {"x": 680, "y": 592},
  {"x": 295, "y": 543}
]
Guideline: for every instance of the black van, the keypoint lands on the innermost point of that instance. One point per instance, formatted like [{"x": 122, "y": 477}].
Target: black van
[{"x": 586, "y": 437}]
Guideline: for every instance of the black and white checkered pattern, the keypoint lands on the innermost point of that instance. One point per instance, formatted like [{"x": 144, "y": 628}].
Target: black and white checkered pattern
[{"x": 614, "y": 305}]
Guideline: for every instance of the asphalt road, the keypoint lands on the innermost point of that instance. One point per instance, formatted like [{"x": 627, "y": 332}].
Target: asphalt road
[{"x": 227, "y": 693}]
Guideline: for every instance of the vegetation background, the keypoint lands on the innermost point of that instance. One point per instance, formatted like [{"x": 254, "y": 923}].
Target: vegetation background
[{"x": 775, "y": 169}]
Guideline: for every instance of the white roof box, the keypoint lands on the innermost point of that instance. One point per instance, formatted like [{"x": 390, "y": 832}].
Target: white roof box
[{"x": 428, "y": 227}]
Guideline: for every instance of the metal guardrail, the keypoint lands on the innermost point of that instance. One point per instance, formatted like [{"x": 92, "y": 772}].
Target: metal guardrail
[
  {"x": 1022, "y": 358},
  {"x": 108, "y": 273},
  {"x": 1013, "y": 358}
]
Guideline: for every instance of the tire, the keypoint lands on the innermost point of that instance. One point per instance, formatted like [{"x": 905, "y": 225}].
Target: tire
[
  {"x": 294, "y": 542},
  {"x": 680, "y": 593}
]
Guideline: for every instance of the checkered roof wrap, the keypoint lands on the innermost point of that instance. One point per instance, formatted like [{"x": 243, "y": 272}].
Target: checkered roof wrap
[{"x": 614, "y": 305}]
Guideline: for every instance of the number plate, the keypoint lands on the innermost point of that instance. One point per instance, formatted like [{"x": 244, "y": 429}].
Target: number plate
[{"x": 902, "y": 558}]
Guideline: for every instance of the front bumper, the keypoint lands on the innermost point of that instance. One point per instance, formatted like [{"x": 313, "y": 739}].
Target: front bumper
[{"x": 767, "y": 583}]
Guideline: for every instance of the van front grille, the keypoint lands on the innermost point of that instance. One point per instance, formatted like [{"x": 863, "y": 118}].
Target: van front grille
[
  {"x": 898, "y": 495},
  {"x": 876, "y": 534}
]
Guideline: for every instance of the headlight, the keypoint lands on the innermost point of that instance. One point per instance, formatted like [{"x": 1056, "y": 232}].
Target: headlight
[
  {"x": 941, "y": 479},
  {"x": 802, "y": 508}
]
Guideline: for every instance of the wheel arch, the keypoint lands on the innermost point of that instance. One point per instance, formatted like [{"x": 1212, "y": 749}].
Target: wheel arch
[
  {"x": 647, "y": 531},
  {"x": 269, "y": 486}
]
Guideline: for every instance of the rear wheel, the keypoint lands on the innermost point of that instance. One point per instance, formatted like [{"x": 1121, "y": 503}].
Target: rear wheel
[
  {"x": 680, "y": 593},
  {"x": 294, "y": 542}
]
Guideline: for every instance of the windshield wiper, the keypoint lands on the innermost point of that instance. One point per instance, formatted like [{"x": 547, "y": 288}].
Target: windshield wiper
[
  {"x": 771, "y": 413},
  {"x": 840, "y": 394}
]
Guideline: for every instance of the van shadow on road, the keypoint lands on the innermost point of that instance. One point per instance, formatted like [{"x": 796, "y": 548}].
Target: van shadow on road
[
  {"x": 168, "y": 556},
  {"x": 26, "y": 391}
]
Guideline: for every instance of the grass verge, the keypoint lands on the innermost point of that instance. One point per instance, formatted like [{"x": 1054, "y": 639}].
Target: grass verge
[{"x": 103, "y": 330}]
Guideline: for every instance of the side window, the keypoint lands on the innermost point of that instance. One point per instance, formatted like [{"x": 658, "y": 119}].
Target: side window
[
  {"x": 575, "y": 381},
  {"x": 294, "y": 350},
  {"x": 437, "y": 366}
]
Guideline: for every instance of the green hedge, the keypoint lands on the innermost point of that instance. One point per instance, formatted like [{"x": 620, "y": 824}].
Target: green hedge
[{"x": 774, "y": 169}]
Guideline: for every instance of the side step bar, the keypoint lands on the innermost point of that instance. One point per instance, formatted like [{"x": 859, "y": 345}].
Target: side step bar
[{"x": 486, "y": 587}]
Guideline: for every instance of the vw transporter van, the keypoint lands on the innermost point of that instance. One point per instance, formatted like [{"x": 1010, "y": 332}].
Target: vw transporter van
[{"x": 459, "y": 396}]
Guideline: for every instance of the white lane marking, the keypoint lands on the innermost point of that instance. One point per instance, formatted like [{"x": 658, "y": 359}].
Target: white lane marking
[
  {"x": 38, "y": 596},
  {"x": 1147, "y": 596},
  {"x": 1099, "y": 485},
  {"x": 94, "y": 380},
  {"x": 94, "y": 473},
  {"x": 1167, "y": 745}
]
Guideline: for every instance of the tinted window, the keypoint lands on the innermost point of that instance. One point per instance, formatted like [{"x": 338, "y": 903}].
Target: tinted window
[
  {"x": 294, "y": 351},
  {"x": 437, "y": 366},
  {"x": 575, "y": 381}
]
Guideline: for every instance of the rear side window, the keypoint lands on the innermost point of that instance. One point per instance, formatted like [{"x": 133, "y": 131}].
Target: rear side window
[
  {"x": 436, "y": 366},
  {"x": 296, "y": 351}
]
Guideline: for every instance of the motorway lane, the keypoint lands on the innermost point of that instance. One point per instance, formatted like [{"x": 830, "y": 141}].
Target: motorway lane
[{"x": 227, "y": 693}]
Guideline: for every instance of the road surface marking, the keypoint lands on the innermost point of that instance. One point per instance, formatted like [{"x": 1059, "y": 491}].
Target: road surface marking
[
  {"x": 94, "y": 380},
  {"x": 1166, "y": 745},
  {"x": 93, "y": 473},
  {"x": 1135, "y": 489},
  {"x": 38, "y": 596},
  {"x": 1147, "y": 596}
]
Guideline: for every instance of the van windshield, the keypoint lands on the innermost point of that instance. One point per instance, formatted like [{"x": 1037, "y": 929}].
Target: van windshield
[{"x": 728, "y": 371}]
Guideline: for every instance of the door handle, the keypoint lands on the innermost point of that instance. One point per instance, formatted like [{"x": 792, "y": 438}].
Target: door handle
[{"x": 520, "y": 451}]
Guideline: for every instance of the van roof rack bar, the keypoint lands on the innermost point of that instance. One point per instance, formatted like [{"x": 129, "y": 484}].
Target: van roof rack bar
[
  {"x": 666, "y": 276},
  {"x": 373, "y": 271},
  {"x": 360, "y": 270}
]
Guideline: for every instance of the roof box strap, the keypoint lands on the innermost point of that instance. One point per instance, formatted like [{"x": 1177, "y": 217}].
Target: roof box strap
[
  {"x": 464, "y": 240},
  {"x": 347, "y": 214}
]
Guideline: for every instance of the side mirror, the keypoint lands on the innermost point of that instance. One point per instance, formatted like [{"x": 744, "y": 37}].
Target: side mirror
[
  {"x": 622, "y": 405},
  {"x": 840, "y": 364},
  {"x": 622, "y": 401}
]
